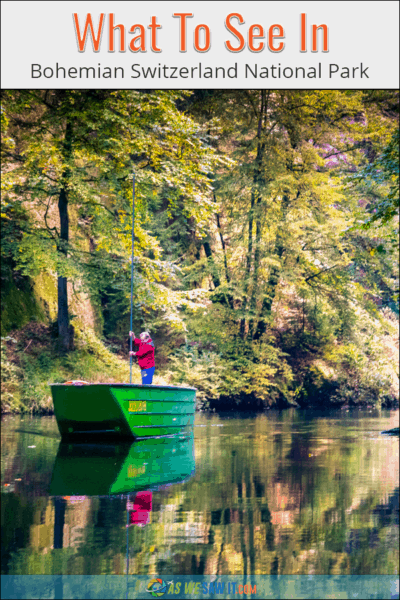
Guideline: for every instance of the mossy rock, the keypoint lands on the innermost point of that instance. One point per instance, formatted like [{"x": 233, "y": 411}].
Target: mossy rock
[
  {"x": 46, "y": 295},
  {"x": 19, "y": 302}
]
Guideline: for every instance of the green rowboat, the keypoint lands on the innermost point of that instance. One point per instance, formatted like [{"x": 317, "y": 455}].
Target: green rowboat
[
  {"x": 122, "y": 411},
  {"x": 394, "y": 431},
  {"x": 125, "y": 468}
]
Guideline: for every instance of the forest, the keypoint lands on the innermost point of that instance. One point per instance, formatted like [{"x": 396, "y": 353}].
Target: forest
[{"x": 265, "y": 252}]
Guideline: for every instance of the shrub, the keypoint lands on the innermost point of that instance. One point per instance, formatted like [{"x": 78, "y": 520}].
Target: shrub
[
  {"x": 258, "y": 370},
  {"x": 205, "y": 371},
  {"x": 11, "y": 377},
  {"x": 366, "y": 365}
]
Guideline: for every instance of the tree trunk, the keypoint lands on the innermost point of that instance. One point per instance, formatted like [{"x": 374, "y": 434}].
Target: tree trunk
[
  {"x": 228, "y": 279},
  {"x": 228, "y": 298},
  {"x": 63, "y": 317},
  {"x": 248, "y": 269},
  {"x": 257, "y": 257},
  {"x": 268, "y": 299},
  {"x": 214, "y": 276},
  {"x": 258, "y": 180},
  {"x": 273, "y": 278},
  {"x": 63, "y": 314},
  {"x": 65, "y": 332}
]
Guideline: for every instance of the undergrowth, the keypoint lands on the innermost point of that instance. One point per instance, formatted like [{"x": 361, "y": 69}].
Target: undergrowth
[
  {"x": 361, "y": 369},
  {"x": 29, "y": 364}
]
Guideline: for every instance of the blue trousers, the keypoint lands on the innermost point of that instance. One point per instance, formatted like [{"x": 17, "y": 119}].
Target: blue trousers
[{"x": 147, "y": 376}]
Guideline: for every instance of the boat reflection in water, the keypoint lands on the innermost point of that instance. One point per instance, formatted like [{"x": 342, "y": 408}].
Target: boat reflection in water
[
  {"x": 130, "y": 471},
  {"x": 107, "y": 469},
  {"x": 127, "y": 471}
]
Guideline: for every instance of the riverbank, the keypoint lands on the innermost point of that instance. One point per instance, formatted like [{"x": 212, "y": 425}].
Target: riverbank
[{"x": 30, "y": 361}]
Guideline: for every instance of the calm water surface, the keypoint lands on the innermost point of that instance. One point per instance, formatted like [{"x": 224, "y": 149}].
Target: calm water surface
[{"x": 288, "y": 492}]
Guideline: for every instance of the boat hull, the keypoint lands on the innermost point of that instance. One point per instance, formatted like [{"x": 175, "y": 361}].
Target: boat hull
[{"x": 122, "y": 411}]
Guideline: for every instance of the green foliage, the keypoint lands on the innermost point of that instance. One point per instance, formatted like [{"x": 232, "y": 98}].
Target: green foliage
[
  {"x": 205, "y": 371},
  {"x": 84, "y": 145},
  {"x": 10, "y": 380},
  {"x": 18, "y": 301},
  {"x": 256, "y": 372},
  {"x": 382, "y": 172},
  {"x": 286, "y": 211},
  {"x": 260, "y": 371},
  {"x": 366, "y": 365},
  {"x": 255, "y": 235}
]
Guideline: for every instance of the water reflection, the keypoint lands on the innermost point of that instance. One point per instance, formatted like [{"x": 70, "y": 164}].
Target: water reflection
[
  {"x": 102, "y": 469},
  {"x": 287, "y": 493},
  {"x": 126, "y": 472},
  {"x": 388, "y": 514}
]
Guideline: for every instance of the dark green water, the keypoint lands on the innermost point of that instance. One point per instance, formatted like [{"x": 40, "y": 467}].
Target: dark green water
[{"x": 289, "y": 492}]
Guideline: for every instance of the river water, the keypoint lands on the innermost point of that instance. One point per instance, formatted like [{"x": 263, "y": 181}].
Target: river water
[{"x": 286, "y": 492}]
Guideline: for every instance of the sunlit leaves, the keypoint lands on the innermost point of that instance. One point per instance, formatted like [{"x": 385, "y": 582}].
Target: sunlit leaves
[{"x": 113, "y": 135}]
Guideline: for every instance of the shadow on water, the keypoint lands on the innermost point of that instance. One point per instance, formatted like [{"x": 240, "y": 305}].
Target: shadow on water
[{"x": 30, "y": 432}]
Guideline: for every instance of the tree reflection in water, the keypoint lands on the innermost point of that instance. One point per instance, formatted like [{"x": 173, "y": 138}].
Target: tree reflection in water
[{"x": 285, "y": 493}]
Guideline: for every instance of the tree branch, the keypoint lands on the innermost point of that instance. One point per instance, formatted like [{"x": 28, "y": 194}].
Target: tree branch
[{"x": 307, "y": 279}]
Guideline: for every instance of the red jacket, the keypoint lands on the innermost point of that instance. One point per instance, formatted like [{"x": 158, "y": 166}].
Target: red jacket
[
  {"x": 145, "y": 354},
  {"x": 141, "y": 509}
]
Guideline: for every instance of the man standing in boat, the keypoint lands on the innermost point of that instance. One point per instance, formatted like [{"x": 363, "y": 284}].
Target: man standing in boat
[{"x": 145, "y": 355}]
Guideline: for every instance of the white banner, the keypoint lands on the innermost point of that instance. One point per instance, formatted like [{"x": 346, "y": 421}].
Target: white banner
[{"x": 155, "y": 45}]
